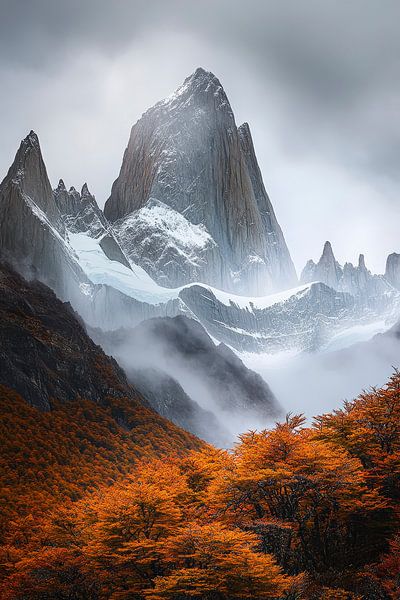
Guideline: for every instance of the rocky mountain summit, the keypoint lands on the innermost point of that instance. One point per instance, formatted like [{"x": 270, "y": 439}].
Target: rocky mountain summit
[
  {"x": 189, "y": 167},
  {"x": 32, "y": 230},
  {"x": 189, "y": 210}
]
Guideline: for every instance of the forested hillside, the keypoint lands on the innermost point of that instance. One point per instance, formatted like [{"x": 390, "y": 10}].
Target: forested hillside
[{"x": 292, "y": 512}]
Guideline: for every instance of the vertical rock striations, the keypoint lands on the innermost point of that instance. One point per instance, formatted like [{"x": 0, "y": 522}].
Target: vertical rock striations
[{"x": 186, "y": 157}]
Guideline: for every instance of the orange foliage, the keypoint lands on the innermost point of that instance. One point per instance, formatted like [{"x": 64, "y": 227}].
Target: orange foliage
[
  {"x": 60, "y": 455},
  {"x": 292, "y": 512},
  {"x": 369, "y": 428}
]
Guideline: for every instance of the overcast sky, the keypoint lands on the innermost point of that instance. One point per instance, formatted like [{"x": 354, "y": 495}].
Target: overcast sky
[{"x": 318, "y": 82}]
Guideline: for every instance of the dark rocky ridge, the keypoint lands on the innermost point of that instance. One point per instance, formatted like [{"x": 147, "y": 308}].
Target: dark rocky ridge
[
  {"x": 46, "y": 356},
  {"x": 187, "y": 153},
  {"x": 45, "y": 352}
]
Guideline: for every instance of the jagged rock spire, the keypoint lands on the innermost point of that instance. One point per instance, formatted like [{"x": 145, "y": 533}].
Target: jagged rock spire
[
  {"x": 327, "y": 252},
  {"x": 28, "y": 173},
  {"x": 326, "y": 270},
  {"x": 85, "y": 190}
]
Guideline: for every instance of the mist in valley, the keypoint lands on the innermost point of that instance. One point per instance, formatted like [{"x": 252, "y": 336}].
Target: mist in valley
[
  {"x": 315, "y": 383},
  {"x": 215, "y": 390}
]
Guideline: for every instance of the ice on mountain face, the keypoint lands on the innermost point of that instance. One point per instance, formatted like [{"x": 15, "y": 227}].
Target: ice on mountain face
[
  {"x": 187, "y": 153},
  {"x": 157, "y": 215},
  {"x": 63, "y": 239},
  {"x": 166, "y": 244},
  {"x": 133, "y": 282},
  {"x": 255, "y": 303},
  {"x": 304, "y": 318}
]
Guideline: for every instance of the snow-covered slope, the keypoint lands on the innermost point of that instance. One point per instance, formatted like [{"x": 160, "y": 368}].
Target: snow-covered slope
[
  {"x": 307, "y": 317},
  {"x": 168, "y": 245}
]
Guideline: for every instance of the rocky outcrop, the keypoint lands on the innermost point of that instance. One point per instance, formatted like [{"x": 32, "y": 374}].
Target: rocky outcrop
[
  {"x": 369, "y": 291},
  {"x": 392, "y": 271},
  {"x": 326, "y": 270},
  {"x": 187, "y": 153}
]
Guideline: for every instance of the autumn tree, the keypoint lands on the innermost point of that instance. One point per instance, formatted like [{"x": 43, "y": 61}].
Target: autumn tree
[
  {"x": 369, "y": 429},
  {"x": 214, "y": 562},
  {"x": 307, "y": 499}
]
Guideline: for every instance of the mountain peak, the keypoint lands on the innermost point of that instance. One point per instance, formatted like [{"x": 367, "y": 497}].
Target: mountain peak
[
  {"x": 201, "y": 87},
  {"x": 32, "y": 139},
  {"x": 29, "y": 146},
  {"x": 361, "y": 261},
  {"x": 28, "y": 173},
  {"x": 327, "y": 251},
  {"x": 85, "y": 190},
  {"x": 187, "y": 153},
  {"x": 202, "y": 79},
  {"x": 61, "y": 186},
  {"x": 200, "y": 72}
]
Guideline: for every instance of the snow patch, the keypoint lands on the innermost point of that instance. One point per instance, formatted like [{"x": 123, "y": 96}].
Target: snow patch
[
  {"x": 156, "y": 216},
  {"x": 135, "y": 283}
]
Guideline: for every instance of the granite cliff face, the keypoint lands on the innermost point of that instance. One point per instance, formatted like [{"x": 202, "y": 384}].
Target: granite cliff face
[
  {"x": 392, "y": 271},
  {"x": 187, "y": 163}
]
